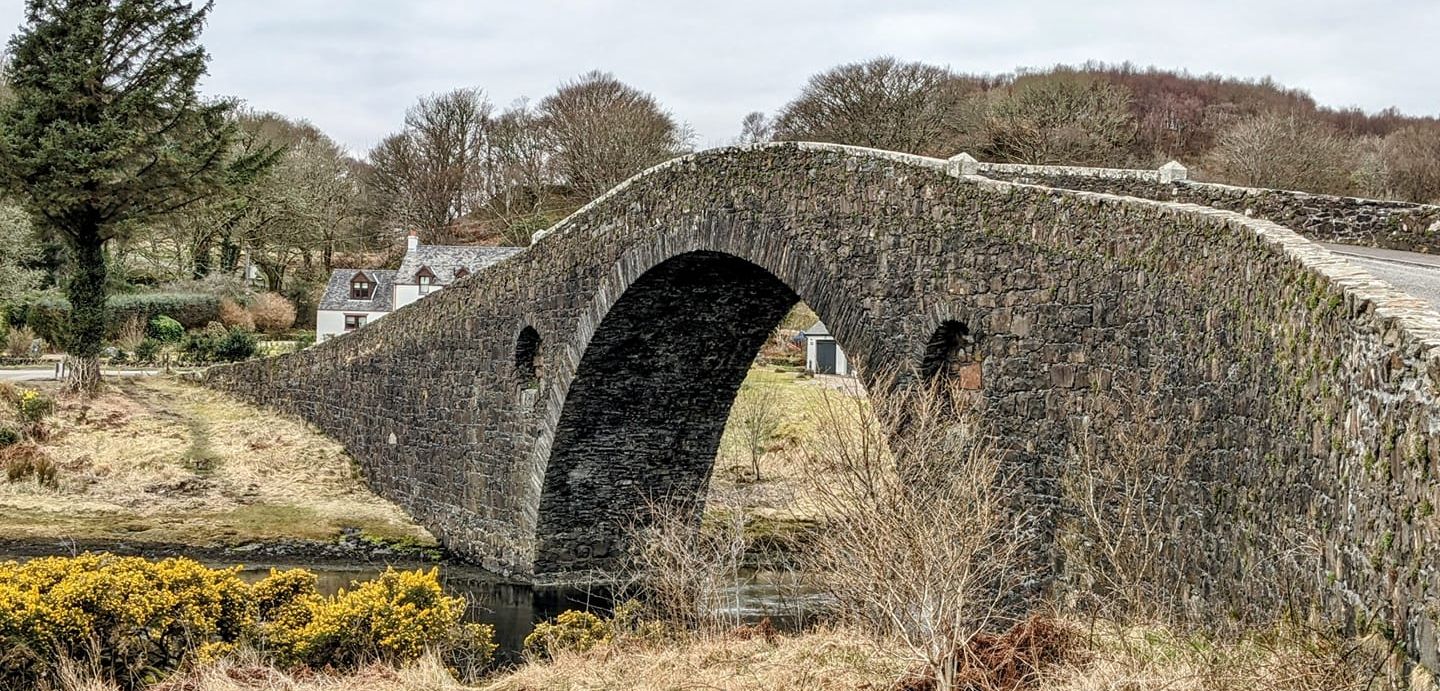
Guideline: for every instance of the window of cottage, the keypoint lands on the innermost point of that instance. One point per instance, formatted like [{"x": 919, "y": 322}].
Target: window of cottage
[{"x": 361, "y": 288}]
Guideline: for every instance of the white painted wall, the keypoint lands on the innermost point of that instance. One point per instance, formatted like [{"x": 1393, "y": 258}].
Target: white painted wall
[
  {"x": 405, "y": 295},
  {"x": 331, "y": 323},
  {"x": 842, "y": 364},
  {"x": 408, "y": 293}
]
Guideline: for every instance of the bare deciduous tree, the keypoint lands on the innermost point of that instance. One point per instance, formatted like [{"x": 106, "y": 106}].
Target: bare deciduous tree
[
  {"x": 1060, "y": 119},
  {"x": 1412, "y": 162},
  {"x": 431, "y": 173},
  {"x": 601, "y": 131},
  {"x": 517, "y": 163},
  {"x": 756, "y": 416},
  {"x": 1286, "y": 151},
  {"x": 882, "y": 103},
  {"x": 755, "y": 128}
]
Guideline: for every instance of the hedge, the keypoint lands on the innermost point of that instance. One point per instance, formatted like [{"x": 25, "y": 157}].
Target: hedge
[{"x": 47, "y": 314}]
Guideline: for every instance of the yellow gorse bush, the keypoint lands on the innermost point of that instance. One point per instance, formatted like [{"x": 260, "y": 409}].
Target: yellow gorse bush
[
  {"x": 33, "y": 406},
  {"x": 394, "y": 617},
  {"x": 571, "y": 630},
  {"x": 133, "y": 617},
  {"x": 136, "y": 619},
  {"x": 579, "y": 631}
]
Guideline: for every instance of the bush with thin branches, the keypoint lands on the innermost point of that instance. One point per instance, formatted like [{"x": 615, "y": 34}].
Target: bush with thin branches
[
  {"x": 234, "y": 314},
  {"x": 272, "y": 313},
  {"x": 687, "y": 572},
  {"x": 18, "y": 342},
  {"x": 921, "y": 544}
]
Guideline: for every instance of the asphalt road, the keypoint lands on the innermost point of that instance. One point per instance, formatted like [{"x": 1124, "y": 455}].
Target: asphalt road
[
  {"x": 1416, "y": 274},
  {"x": 49, "y": 373}
]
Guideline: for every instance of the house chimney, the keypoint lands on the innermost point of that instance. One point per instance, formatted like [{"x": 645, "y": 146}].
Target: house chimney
[{"x": 412, "y": 242}]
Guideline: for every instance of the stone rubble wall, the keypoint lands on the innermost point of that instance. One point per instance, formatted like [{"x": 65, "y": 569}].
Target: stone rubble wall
[
  {"x": 1320, "y": 217},
  {"x": 1304, "y": 390}
]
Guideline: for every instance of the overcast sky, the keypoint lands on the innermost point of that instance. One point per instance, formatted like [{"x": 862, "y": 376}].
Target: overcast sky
[{"x": 353, "y": 66}]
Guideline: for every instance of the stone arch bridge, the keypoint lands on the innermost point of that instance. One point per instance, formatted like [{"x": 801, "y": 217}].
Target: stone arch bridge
[{"x": 525, "y": 412}]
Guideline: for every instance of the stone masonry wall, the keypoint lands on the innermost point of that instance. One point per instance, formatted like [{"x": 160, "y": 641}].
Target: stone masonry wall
[
  {"x": 1307, "y": 390},
  {"x": 1321, "y": 217}
]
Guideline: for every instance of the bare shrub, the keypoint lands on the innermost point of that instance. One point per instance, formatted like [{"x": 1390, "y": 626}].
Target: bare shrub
[
  {"x": 756, "y": 417},
  {"x": 18, "y": 342},
  {"x": 1136, "y": 542},
  {"x": 1118, "y": 545},
  {"x": 233, "y": 314},
  {"x": 272, "y": 313},
  {"x": 1412, "y": 161},
  {"x": 131, "y": 333},
  {"x": 920, "y": 543},
  {"x": 782, "y": 348},
  {"x": 689, "y": 578},
  {"x": 26, "y": 460}
]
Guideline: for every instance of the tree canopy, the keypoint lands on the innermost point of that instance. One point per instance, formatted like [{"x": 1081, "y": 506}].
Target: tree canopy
[{"x": 104, "y": 132}]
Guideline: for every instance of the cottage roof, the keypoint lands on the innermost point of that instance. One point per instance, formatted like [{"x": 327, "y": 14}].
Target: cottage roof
[
  {"x": 444, "y": 261},
  {"x": 337, "y": 291},
  {"x": 817, "y": 329}
]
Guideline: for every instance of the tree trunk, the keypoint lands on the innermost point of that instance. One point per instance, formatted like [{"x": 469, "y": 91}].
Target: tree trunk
[
  {"x": 201, "y": 259},
  {"x": 85, "y": 337}
]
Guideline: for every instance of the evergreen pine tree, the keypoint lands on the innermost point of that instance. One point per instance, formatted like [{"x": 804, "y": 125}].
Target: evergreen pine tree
[{"x": 104, "y": 132}]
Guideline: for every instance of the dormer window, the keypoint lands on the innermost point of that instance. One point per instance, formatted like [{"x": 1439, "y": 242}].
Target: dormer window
[
  {"x": 461, "y": 272},
  {"x": 361, "y": 287},
  {"x": 426, "y": 279}
]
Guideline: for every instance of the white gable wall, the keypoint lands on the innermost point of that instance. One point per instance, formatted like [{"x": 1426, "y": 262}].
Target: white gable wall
[
  {"x": 842, "y": 364},
  {"x": 406, "y": 293},
  {"x": 331, "y": 323}
]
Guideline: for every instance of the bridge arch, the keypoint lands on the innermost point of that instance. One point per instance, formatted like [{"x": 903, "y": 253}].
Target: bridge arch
[
  {"x": 644, "y": 411},
  {"x": 1308, "y": 390}
]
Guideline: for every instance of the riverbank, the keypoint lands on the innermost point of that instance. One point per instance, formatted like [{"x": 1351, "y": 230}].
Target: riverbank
[{"x": 157, "y": 466}]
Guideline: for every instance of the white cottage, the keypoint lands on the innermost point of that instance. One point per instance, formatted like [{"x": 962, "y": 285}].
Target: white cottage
[
  {"x": 822, "y": 354},
  {"x": 356, "y": 297}
]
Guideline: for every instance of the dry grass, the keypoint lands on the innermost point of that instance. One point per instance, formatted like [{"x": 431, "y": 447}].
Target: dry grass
[
  {"x": 245, "y": 671},
  {"x": 797, "y": 403},
  {"x": 1111, "y": 659},
  {"x": 821, "y": 660},
  {"x": 1142, "y": 658},
  {"x": 161, "y": 460}
]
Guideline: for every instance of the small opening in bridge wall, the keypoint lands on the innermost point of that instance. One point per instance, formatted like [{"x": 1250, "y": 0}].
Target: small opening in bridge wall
[
  {"x": 527, "y": 359},
  {"x": 953, "y": 353}
]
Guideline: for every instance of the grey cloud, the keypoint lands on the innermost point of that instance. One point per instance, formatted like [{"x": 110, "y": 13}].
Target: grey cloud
[{"x": 353, "y": 67}]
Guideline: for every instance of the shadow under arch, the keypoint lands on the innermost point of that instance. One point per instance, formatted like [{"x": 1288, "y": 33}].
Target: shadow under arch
[{"x": 643, "y": 417}]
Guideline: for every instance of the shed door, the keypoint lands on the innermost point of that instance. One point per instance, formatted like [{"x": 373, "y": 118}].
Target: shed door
[{"x": 825, "y": 356}]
